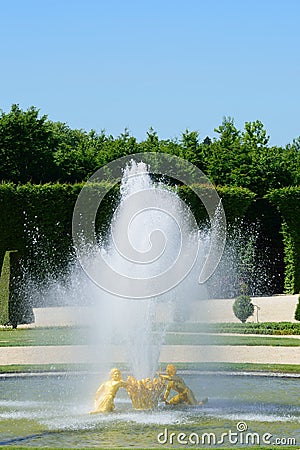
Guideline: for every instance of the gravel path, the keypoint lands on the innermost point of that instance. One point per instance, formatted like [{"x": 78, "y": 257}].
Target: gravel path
[
  {"x": 276, "y": 308},
  {"x": 173, "y": 353}
]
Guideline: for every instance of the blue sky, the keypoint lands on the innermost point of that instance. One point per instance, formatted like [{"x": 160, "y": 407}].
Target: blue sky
[{"x": 167, "y": 64}]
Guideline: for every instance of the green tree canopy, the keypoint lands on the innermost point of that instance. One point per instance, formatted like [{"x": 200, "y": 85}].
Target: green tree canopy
[
  {"x": 35, "y": 149},
  {"x": 26, "y": 147}
]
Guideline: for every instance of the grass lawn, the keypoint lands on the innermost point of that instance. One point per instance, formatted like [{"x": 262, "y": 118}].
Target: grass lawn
[
  {"x": 205, "y": 367},
  {"x": 81, "y": 336},
  {"x": 202, "y": 339},
  {"x": 43, "y": 336}
]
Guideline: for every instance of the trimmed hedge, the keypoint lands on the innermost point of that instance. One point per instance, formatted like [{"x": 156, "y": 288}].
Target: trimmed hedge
[
  {"x": 287, "y": 201},
  {"x": 37, "y": 219},
  {"x": 235, "y": 200},
  {"x": 268, "y": 328}
]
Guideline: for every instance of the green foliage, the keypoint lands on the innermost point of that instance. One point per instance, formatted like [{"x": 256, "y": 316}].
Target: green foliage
[
  {"x": 35, "y": 149},
  {"x": 230, "y": 136},
  {"x": 269, "y": 328},
  {"x": 297, "y": 312},
  {"x": 37, "y": 219},
  {"x": 243, "y": 308},
  {"x": 4, "y": 289},
  {"x": 14, "y": 309},
  {"x": 78, "y": 154},
  {"x": 287, "y": 201},
  {"x": 235, "y": 200},
  {"x": 19, "y": 308},
  {"x": 26, "y": 147},
  {"x": 192, "y": 150},
  {"x": 255, "y": 136},
  {"x": 244, "y": 159},
  {"x": 272, "y": 328}
]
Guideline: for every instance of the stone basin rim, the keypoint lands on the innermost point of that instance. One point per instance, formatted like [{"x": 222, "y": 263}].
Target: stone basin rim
[{"x": 183, "y": 372}]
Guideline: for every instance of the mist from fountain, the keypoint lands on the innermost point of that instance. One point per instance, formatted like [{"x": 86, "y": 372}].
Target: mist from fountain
[{"x": 139, "y": 324}]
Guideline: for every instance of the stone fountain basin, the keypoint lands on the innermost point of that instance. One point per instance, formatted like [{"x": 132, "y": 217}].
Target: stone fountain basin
[{"x": 52, "y": 410}]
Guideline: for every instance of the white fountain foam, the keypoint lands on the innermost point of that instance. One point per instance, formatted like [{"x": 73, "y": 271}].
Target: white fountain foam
[
  {"x": 157, "y": 234},
  {"x": 130, "y": 321}
]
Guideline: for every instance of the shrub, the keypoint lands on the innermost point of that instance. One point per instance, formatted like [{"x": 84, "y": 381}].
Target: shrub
[
  {"x": 243, "y": 308},
  {"x": 297, "y": 312},
  {"x": 14, "y": 307},
  {"x": 4, "y": 289}
]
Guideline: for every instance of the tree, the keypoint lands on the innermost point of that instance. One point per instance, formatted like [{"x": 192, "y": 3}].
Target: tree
[
  {"x": 243, "y": 308},
  {"x": 78, "y": 153},
  {"x": 255, "y": 135},
  {"x": 26, "y": 147},
  {"x": 229, "y": 134},
  {"x": 192, "y": 150}
]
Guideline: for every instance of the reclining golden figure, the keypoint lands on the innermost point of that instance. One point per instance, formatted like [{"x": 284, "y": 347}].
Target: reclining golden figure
[{"x": 185, "y": 394}]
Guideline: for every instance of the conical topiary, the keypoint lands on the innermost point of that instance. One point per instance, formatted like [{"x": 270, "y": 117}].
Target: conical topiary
[
  {"x": 243, "y": 308},
  {"x": 297, "y": 312}
]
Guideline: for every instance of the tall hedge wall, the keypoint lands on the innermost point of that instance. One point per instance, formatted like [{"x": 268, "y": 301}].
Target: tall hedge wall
[
  {"x": 37, "y": 219},
  {"x": 287, "y": 201},
  {"x": 235, "y": 200}
]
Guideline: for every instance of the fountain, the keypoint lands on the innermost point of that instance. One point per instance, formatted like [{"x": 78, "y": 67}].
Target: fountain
[
  {"x": 131, "y": 322},
  {"x": 52, "y": 409},
  {"x": 152, "y": 230}
]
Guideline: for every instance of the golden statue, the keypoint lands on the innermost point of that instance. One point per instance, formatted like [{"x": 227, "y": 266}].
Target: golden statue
[
  {"x": 144, "y": 393},
  {"x": 105, "y": 395},
  {"x": 185, "y": 394}
]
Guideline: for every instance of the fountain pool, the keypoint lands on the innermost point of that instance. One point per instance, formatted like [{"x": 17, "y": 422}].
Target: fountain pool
[{"x": 53, "y": 410}]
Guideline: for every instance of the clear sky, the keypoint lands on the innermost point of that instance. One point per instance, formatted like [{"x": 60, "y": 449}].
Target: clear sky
[{"x": 169, "y": 64}]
